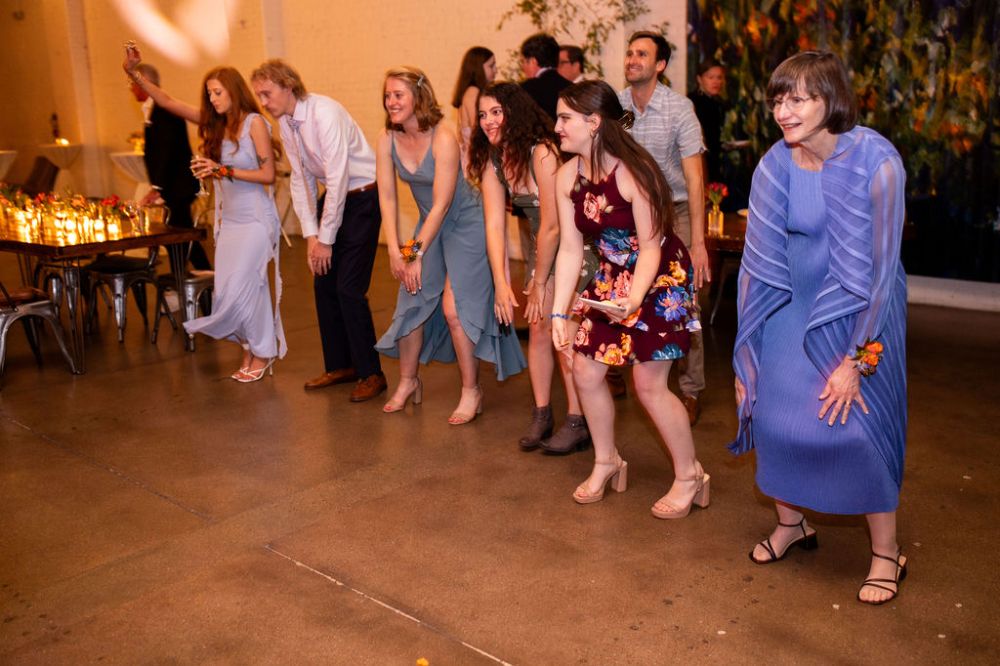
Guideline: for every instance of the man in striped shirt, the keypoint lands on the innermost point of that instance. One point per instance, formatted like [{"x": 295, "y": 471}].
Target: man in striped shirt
[{"x": 666, "y": 126}]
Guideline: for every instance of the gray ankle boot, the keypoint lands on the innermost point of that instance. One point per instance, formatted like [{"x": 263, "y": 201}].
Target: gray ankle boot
[
  {"x": 572, "y": 436},
  {"x": 540, "y": 428}
]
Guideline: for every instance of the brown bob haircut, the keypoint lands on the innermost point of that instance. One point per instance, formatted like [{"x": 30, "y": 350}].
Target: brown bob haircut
[{"x": 823, "y": 75}]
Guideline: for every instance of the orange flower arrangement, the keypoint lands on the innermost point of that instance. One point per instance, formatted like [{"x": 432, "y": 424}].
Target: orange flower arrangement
[{"x": 867, "y": 357}]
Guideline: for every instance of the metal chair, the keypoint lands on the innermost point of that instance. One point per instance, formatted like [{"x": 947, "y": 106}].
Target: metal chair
[
  {"x": 26, "y": 305},
  {"x": 196, "y": 292},
  {"x": 122, "y": 273}
]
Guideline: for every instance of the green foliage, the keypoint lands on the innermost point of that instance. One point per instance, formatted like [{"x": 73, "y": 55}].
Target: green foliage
[
  {"x": 593, "y": 19},
  {"x": 925, "y": 73}
]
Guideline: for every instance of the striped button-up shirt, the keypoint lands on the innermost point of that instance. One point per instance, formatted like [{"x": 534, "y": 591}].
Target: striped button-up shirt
[{"x": 669, "y": 130}]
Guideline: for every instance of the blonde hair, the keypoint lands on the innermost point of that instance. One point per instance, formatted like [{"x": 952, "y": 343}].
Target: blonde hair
[
  {"x": 281, "y": 73},
  {"x": 425, "y": 104}
]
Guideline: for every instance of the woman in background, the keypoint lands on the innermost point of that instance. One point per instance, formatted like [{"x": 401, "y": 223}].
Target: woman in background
[
  {"x": 711, "y": 112},
  {"x": 238, "y": 152},
  {"x": 478, "y": 70},
  {"x": 444, "y": 309},
  {"x": 515, "y": 152}
]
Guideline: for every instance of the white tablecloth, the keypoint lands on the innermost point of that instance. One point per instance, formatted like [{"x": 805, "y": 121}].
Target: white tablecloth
[
  {"x": 6, "y": 160},
  {"x": 63, "y": 157},
  {"x": 134, "y": 166}
]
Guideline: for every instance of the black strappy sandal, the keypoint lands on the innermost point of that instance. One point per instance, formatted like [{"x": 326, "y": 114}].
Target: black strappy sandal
[
  {"x": 875, "y": 582},
  {"x": 805, "y": 542}
]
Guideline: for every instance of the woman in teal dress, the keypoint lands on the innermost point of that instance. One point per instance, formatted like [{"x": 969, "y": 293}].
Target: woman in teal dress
[{"x": 444, "y": 311}]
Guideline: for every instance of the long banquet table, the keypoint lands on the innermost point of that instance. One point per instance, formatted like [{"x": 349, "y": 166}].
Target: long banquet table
[{"x": 50, "y": 243}]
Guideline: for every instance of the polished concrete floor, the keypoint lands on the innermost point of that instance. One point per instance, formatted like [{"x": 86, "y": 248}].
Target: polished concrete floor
[{"x": 152, "y": 511}]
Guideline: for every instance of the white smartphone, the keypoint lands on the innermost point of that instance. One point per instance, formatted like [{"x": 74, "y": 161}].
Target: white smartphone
[{"x": 604, "y": 306}]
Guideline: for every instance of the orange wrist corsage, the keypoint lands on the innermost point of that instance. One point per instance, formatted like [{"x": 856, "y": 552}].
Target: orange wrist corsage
[
  {"x": 411, "y": 250},
  {"x": 223, "y": 171},
  {"x": 867, "y": 356}
]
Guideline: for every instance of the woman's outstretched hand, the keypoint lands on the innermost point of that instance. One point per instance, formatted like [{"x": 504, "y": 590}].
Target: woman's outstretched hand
[{"x": 842, "y": 389}]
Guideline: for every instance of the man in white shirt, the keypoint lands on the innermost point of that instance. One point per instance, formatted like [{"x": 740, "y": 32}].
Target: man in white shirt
[
  {"x": 325, "y": 145},
  {"x": 666, "y": 126}
]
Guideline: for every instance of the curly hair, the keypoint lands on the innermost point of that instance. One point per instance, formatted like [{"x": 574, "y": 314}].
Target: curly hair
[
  {"x": 425, "y": 104},
  {"x": 612, "y": 138},
  {"x": 471, "y": 73},
  {"x": 214, "y": 127},
  {"x": 525, "y": 125}
]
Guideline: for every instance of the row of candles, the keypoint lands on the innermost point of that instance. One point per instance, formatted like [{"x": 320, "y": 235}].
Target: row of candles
[{"x": 71, "y": 223}]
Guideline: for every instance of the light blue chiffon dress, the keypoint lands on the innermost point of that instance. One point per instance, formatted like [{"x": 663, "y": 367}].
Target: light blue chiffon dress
[
  {"x": 247, "y": 230},
  {"x": 457, "y": 252}
]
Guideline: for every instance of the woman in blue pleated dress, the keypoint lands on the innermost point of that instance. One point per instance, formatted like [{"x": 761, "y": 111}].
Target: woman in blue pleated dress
[
  {"x": 444, "y": 311},
  {"x": 238, "y": 152},
  {"x": 820, "y": 351}
]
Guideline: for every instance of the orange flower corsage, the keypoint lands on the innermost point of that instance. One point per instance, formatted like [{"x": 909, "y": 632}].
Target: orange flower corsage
[
  {"x": 411, "y": 250},
  {"x": 867, "y": 357}
]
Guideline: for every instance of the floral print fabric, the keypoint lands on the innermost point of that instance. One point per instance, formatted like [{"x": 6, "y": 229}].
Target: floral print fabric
[{"x": 660, "y": 329}]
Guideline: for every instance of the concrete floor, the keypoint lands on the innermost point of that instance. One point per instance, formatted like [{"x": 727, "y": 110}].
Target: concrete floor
[{"x": 155, "y": 512}]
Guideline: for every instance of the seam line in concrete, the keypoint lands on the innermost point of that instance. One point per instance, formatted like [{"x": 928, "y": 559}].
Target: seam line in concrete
[
  {"x": 387, "y": 606},
  {"x": 94, "y": 462}
]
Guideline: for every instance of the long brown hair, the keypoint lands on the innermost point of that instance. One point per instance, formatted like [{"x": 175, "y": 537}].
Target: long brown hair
[
  {"x": 214, "y": 127},
  {"x": 471, "y": 73},
  {"x": 525, "y": 125},
  {"x": 612, "y": 138}
]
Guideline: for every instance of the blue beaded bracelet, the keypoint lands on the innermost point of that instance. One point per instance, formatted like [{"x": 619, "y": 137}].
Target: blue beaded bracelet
[{"x": 558, "y": 315}]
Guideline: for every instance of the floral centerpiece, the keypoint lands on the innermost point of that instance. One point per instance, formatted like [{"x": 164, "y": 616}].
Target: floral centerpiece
[{"x": 715, "y": 192}]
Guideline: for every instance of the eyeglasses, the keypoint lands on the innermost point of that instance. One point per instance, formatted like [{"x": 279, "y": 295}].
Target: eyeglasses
[{"x": 791, "y": 102}]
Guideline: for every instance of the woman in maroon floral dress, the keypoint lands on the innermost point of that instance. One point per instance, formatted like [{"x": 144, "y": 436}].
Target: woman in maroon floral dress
[{"x": 614, "y": 193}]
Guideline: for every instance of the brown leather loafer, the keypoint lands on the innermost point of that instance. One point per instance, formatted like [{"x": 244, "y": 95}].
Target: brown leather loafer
[
  {"x": 369, "y": 387},
  {"x": 693, "y": 408},
  {"x": 340, "y": 376}
]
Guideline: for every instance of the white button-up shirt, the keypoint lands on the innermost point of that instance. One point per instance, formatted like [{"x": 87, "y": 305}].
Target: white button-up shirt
[{"x": 328, "y": 147}]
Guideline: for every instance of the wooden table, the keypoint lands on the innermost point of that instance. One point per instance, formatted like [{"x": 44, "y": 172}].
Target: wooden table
[
  {"x": 49, "y": 243},
  {"x": 724, "y": 255}
]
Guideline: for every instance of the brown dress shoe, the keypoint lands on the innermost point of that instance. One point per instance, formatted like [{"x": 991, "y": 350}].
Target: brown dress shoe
[
  {"x": 693, "y": 408},
  {"x": 340, "y": 376},
  {"x": 369, "y": 387}
]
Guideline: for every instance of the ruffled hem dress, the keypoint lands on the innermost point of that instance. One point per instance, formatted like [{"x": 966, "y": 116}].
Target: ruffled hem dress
[{"x": 458, "y": 252}]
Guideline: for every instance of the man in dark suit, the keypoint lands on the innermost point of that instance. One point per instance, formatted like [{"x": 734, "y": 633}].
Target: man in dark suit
[
  {"x": 168, "y": 163},
  {"x": 539, "y": 58}
]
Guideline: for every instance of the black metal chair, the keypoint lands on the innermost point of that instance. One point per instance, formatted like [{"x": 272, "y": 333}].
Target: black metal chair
[
  {"x": 195, "y": 292},
  {"x": 27, "y": 305}
]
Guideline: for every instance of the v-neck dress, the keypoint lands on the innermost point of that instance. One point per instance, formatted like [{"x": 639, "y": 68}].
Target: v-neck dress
[
  {"x": 247, "y": 230},
  {"x": 458, "y": 252}
]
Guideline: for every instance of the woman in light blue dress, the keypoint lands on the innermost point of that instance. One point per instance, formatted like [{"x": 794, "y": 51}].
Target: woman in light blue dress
[
  {"x": 444, "y": 311},
  {"x": 239, "y": 153}
]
